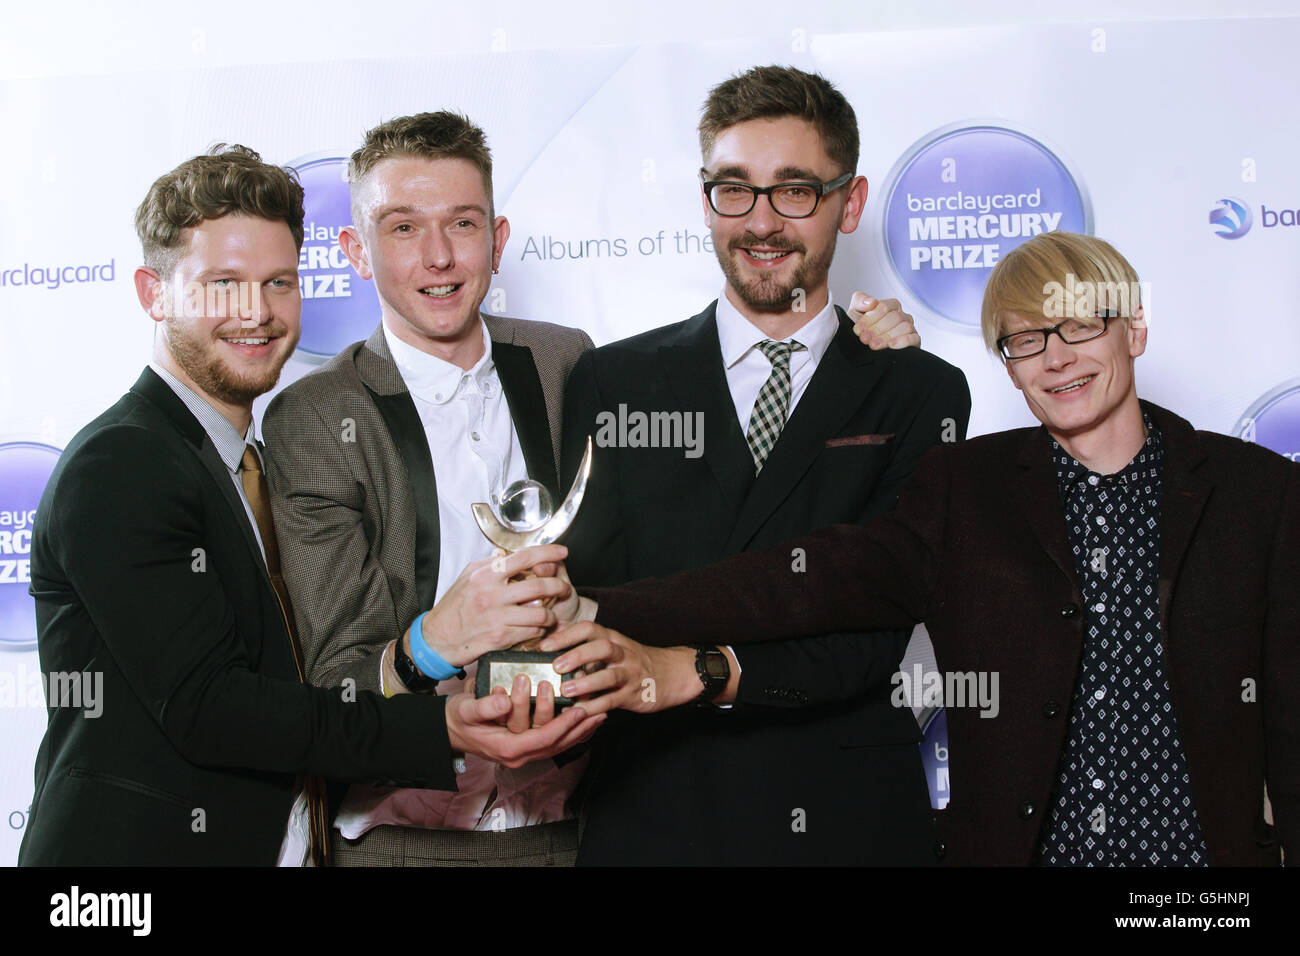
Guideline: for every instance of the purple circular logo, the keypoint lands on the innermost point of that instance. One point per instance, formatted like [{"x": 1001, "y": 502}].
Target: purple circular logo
[
  {"x": 934, "y": 756},
  {"x": 338, "y": 306},
  {"x": 1230, "y": 218},
  {"x": 24, "y": 469},
  {"x": 961, "y": 199},
  {"x": 1274, "y": 420}
]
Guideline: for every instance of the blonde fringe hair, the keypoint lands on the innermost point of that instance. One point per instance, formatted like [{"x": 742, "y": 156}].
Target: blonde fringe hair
[{"x": 1036, "y": 277}]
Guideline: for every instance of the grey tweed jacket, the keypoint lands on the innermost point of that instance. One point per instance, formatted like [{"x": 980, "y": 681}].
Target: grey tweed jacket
[{"x": 354, "y": 490}]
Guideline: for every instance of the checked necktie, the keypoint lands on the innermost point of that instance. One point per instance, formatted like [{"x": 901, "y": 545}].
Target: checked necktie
[
  {"x": 254, "y": 482},
  {"x": 773, "y": 402}
]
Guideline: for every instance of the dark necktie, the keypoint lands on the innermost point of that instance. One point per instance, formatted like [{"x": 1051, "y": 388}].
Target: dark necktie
[{"x": 254, "y": 482}]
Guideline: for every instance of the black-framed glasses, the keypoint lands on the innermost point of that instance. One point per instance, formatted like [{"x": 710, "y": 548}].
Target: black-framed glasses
[
  {"x": 1019, "y": 345},
  {"x": 793, "y": 200}
]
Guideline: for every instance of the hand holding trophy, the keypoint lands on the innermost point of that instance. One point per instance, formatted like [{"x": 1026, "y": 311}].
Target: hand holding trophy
[{"x": 527, "y": 518}]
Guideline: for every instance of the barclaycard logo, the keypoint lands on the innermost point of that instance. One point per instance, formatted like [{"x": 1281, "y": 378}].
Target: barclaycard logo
[
  {"x": 960, "y": 199},
  {"x": 1273, "y": 420},
  {"x": 338, "y": 307},
  {"x": 1230, "y": 218},
  {"x": 25, "y": 467},
  {"x": 934, "y": 755}
]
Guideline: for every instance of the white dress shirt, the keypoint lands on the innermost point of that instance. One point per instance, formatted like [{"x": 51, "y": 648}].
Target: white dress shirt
[
  {"x": 747, "y": 368},
  {"x": 476, "y": 455},
  {"x": 472, "y": 443}
]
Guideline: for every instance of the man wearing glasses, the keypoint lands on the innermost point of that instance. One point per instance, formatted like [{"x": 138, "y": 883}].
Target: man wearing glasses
[
  {"x": 791, "y": 753},
  {"x": 1133, "y": 582}
]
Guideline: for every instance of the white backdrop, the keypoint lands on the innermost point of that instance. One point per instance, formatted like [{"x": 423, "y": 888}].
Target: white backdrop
[{"x": 595, "y": 151}]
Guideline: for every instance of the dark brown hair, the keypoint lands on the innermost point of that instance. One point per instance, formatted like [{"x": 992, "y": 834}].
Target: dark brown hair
[
  {"x": 225, "y": 180},
  {"x": 770, "y": 92}
]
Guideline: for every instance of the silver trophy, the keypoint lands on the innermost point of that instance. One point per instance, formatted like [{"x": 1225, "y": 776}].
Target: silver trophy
[{"x": 527, "y": 518}]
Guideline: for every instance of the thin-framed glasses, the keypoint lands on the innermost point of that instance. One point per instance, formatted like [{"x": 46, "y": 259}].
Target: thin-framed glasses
[
  {"x": 1019, "y": 345},
  {"x": 793, "y": 200}
]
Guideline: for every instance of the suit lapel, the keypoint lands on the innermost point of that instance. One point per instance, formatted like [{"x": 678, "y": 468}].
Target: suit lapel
[
  {"x": 221, "y": 475},
  {"x": 153, "y": 388},
  {"x": 523, "y": 388},
  {"x": 1034, "y": 494},
  {"x": 379, "y": 373},
  {"x": 693, "y": 366},
  {"x": 1185, "y": 496},
  {"x": 844, "y": 378}
]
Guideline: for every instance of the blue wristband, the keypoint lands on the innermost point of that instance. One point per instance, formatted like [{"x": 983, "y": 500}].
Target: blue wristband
[{"x": 429, "y": 661}]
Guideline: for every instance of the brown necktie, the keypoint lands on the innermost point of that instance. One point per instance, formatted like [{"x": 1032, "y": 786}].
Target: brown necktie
[{"x": 254, "y": 482}]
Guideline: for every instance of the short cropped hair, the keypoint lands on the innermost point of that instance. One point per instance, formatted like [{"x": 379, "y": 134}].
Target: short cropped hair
[
  {"x": 771, "y": 92},
  {"x": 225, "y": 180},
  {"x": 441, "y": 135},
  {"x": 1033, "y": 278}
]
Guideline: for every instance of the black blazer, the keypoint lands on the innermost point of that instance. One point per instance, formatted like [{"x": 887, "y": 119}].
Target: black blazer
[
  {"x": 978, "y": 549},
  {"x": 145, "y": 570},
  {"x": 813, "y": 729}
]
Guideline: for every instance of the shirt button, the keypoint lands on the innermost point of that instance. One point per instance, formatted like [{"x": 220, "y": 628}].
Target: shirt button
[
  {"x": 474, "y": 435},
  {"x": 1098, "y": 783},
  {"x": 1099, "y": 607},
  {"x": 1100, "y": 693},
  {"x": 1027, "y": 810},
  {"x": 1093, "y": 479},
  {"x": 438, "y": 397},
  {"x": 1101, "y": 522}
]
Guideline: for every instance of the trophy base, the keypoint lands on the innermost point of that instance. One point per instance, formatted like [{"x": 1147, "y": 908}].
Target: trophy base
[{"x": 500, "y": 668}]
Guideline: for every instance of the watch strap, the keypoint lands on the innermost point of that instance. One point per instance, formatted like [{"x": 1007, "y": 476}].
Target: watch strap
[{"x": 714, "y": 683}]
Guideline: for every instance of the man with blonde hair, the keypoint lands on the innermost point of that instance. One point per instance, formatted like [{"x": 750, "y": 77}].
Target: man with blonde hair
[{"x": 1129, "y": 579}]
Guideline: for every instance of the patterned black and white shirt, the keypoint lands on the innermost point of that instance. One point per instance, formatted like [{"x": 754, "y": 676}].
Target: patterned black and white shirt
[{"x": 1123, "y": 797}]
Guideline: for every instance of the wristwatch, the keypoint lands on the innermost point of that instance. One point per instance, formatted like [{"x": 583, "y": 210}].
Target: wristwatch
[
  {"x": 714, "y": 670},
  {"x": 416, "y": 681}
]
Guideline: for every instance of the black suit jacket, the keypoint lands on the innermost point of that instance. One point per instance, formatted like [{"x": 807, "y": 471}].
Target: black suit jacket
[
  {"x": 145, "y": 570},
  {"x": 978, "y": 549},
  {"x": 813, "y": 765}
]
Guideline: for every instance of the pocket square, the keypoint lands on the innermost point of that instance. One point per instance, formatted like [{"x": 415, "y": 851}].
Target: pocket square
[{"x": 859, "y": 440}]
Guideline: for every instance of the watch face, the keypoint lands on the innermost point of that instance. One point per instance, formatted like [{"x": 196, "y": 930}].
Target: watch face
[{"x": 715, "y": 665}]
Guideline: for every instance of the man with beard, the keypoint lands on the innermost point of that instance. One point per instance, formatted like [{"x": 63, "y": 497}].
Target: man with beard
[
  {"x": 377, "y": 457},
  {"x": 789, "y": 753},
  {"x": 189, "y": 737},
  {"x": 1128, "y": 581}
]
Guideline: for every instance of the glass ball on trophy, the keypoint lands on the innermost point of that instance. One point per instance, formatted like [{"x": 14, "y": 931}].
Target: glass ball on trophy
[
  {"x": 523, "y": 516},
  {"x": 525, "y": 505}
]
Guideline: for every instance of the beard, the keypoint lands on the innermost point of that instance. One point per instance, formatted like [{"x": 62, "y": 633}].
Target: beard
[
  {"x": 199, "y": 358},
  {"x": 765, "y": 293}
]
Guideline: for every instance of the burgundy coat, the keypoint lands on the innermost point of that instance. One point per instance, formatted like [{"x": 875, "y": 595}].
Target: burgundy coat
[{"x": 978, "y": 549}]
